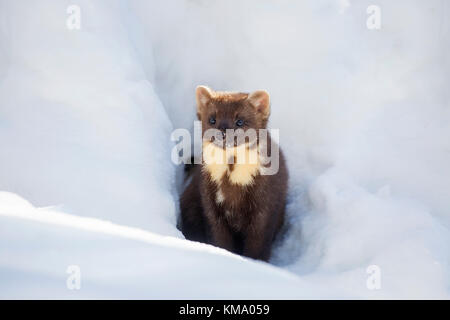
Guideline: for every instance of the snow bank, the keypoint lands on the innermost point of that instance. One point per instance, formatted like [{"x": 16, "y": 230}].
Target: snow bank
[
  {"x": 81, "y": 126},
  {"x": 117, "y": 262}
]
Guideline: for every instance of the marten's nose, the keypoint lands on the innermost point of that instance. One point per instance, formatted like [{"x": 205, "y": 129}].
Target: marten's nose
[{"x": 223, "y": 126}]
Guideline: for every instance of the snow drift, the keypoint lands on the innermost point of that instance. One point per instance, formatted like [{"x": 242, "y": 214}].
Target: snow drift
[
  {"x": 82, "y": 127},
  {"x": 86, "y": 116},
  {"x": 118, "y": 262}
]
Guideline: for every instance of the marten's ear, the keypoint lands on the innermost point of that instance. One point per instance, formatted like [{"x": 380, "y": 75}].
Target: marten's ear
[
  {"x": 203, "y": 95},
  {"x": 261, "y": 101}
]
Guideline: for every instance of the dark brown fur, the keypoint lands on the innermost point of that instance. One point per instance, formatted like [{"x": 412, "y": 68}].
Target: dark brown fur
[{"x": 250, "y": 216}]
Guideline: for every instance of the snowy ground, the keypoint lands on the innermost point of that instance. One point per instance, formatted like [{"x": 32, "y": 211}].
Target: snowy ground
[{"x": 86, "y": 116}]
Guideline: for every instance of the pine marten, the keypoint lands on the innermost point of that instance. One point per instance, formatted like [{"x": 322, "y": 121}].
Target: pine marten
[{"x": 233, "y": 204}]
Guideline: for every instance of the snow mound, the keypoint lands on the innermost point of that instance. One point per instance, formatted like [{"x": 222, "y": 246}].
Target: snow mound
[
  {"x": 85, "y": 123},
  {"x": 81, "y": 126},
  {"x": 118, "y": 262}
]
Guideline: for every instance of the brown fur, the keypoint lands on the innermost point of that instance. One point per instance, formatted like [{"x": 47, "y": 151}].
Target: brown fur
[{"x": 242, "y": 217}]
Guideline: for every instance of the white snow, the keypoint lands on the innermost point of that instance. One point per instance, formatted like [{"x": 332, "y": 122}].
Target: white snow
[
  {"x": 122, "y": 262},
  {"x": 81, "y": 124},
  {"x": 85, "y": 123}
]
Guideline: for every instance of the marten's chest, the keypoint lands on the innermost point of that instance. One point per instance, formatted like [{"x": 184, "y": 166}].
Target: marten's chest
[
  {"x": 232, "y": 186},
  {"x": 236, "y": 166}
]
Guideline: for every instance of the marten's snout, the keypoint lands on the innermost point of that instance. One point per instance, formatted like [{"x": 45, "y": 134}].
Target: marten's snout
[{"x": 223, "y": 126}]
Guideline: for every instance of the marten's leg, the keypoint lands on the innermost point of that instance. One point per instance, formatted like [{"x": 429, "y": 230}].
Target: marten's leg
[
  {"x": 220, "y": 234},
  {"x": 193, "y": 223},
  {"x": 258, "y": 239}
]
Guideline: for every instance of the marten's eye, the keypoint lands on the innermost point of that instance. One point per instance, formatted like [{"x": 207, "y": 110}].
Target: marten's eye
[
  {"x": 212, "y": 120},
  {"x": 239, "y": 122}
]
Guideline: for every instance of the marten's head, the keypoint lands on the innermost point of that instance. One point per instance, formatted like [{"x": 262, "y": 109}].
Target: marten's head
[{"x": 225, "y": 112}]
